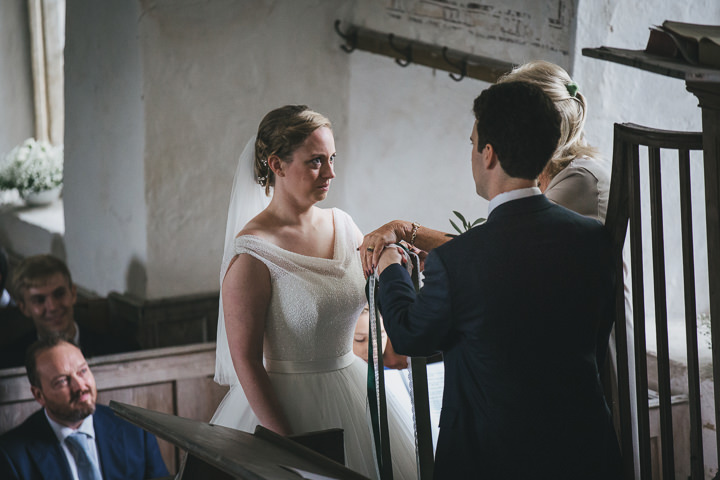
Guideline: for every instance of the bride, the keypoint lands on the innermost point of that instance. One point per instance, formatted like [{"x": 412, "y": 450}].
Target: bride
[{"x": 292, "y": 289}]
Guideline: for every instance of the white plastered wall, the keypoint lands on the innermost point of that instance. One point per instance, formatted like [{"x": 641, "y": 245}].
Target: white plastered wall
[
  {"x": 161, "y": 96},
  {"x": 16, "y": 96},
  {"x": 212, "y": 72},
  {"x": 104, "y": 193},
  {"x": 160, "y": 104},
  {"x": 159, "y": 122}
]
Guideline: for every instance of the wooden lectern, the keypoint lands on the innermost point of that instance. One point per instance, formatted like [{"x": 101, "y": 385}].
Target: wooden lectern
[{"x": 216, "y": 452}]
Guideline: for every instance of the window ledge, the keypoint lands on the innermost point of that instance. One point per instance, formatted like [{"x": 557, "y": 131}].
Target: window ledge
[{"x": 28, "y": 230}]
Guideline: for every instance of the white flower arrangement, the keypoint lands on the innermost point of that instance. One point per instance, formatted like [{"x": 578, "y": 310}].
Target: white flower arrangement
[{"x": 32, "y": 167}]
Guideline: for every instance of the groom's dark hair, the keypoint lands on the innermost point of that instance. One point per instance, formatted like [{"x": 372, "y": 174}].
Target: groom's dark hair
[{"x": 521, "y": 123}]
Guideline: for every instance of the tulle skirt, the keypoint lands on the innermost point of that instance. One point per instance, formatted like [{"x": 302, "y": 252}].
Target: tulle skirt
[{"x": 334, "y": 399}]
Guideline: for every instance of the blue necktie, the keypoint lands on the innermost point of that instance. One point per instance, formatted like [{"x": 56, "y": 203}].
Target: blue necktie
[{"x": 87, "y": 468}]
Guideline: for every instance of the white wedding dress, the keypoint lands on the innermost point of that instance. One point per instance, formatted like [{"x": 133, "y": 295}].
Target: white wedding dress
[{"x": 320, "y": 383}]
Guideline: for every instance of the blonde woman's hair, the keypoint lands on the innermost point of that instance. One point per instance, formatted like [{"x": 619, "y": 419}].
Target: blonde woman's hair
[
  {"x": 280, "y": 132},
  {"x": 571, "y": 104}
]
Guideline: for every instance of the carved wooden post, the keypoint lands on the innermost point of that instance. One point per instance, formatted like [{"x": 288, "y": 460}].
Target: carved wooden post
[{"x": 708, "y": 92}]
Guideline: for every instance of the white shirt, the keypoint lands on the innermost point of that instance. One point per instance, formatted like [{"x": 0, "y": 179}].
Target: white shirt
[
  {"x": 76, "y": 338},
  {"x": 62, "y": 432},
  {"x": 5, "y": 299},
  {"x": 516, "y": 194}
]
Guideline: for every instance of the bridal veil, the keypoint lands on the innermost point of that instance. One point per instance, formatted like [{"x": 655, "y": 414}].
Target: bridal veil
[{"x": 247, "y": 199}]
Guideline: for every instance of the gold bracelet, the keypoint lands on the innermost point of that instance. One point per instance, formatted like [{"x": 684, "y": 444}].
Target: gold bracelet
[{"x": 414, "y": 233}]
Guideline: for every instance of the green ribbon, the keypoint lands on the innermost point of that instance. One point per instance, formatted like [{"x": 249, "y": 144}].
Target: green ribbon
[{"x": 376, "y": 388}]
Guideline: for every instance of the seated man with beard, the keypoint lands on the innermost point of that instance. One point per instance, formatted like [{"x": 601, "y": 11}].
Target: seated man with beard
[{"x": 71, "y": 437}]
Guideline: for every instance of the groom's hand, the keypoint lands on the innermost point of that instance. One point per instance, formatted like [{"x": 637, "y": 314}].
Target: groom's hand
[
  {"x": 422, "y": 254},
  {"x": 389, "y": 256},
  {"x": 393, "y": 360}
]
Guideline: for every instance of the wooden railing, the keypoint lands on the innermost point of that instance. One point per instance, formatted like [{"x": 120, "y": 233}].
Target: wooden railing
[{"x": 624, "y": 209}]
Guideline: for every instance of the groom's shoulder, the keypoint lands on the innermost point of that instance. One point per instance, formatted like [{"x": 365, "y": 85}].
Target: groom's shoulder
[
  {"x": 579, "y": 222},
  {"x": 465, "y": 241}
]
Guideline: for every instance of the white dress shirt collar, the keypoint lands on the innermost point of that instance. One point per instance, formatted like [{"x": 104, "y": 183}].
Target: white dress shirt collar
[
  {"x": 61, "y": 432},
  {"x": 76, "y": 337},
  {"x": 516, "y": 194},
  {"x": 5, "y": 299}
]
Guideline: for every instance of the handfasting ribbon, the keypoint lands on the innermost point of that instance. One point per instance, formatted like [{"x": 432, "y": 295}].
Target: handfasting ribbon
[
  {"x": 418, "y": 389},
  {"x": 376, "y": 390},
  {"x": 418, "y": 382}
]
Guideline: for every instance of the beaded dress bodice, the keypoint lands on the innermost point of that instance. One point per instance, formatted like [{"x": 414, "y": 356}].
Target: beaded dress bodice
[
  {"x": 315, "y": 302},
  {"x": 318, "y": 381}
]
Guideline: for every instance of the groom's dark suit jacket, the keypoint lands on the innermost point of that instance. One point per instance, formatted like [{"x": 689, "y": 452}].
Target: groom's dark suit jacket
[
  {"x": 518, "y": 306},
  {"x": 31, "y": 451}
]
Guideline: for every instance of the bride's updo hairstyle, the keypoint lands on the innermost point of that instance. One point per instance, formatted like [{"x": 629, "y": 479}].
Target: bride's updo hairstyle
[
  {"x": 280, "y": 133},
  {"x": 568, "y": 100}
]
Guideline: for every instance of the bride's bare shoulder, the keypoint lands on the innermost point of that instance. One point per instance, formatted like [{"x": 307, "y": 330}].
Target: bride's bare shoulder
[{"x": 258, "y": 226}]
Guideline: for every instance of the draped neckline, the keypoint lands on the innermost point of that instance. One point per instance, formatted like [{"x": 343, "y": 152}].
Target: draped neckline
[{"x": 337, "y": 233}]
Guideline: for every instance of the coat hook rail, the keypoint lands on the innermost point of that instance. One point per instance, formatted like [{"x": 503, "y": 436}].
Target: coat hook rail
[
  {"x": 462, "y": 67},
  {"x": 350, "y": 38},
  {"x": 405, "y": 51}
]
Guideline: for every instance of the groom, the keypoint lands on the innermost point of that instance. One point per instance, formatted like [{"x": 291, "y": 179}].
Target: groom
[{"x": 518, "y": 306}]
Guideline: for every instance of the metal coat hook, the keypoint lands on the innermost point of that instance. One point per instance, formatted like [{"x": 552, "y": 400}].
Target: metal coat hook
[
  {"x": 462, "y": 67},
  {"x": 350, "y": 38},
  {"x": 405, "y": 52}
]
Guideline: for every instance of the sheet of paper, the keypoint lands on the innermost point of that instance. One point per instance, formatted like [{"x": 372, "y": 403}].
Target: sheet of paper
[
  {"x": 398, "y": 382},
  {"x": 436, "y": 382}
]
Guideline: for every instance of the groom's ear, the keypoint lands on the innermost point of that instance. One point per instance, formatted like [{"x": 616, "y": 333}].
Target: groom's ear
[
  {"x": 276, "y": 165},
  {"x": 490, "y": 159}
]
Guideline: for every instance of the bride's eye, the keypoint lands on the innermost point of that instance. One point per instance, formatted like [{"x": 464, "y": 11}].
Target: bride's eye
[{"x": 332, "y": 158}]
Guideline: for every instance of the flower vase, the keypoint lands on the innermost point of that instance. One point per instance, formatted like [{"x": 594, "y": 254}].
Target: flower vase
[{"x": 43, "y": 197}]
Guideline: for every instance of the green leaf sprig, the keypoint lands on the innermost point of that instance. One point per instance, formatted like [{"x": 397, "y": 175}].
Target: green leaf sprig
[{"x": 465, "y": 224}]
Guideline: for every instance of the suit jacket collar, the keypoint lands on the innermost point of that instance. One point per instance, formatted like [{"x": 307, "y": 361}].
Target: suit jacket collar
[
  {"x": 511, "y": 195},
  {"x": 108, "y": 438},
  {"x": 519, "y": 206},
  {"x": 48, "y": 455},
  {"x": 45, "y": 450}
]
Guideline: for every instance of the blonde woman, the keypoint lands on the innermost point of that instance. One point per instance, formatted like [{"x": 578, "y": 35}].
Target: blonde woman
[{"x": 576, "y": 177}]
